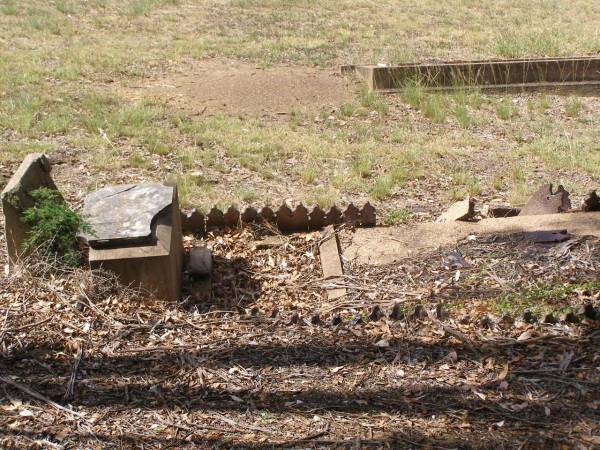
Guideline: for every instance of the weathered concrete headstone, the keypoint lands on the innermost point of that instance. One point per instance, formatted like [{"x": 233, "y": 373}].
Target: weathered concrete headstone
[
  {"x": 137, "y": 235},
  {"x": 33, "y": 173},
  {"x": 544, "y": 201}
]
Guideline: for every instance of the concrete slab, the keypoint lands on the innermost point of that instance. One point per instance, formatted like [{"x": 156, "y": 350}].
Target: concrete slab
[
  {"x": 123, "y": 215},
  {"x": 380, "y": 246},
  {"x": 155, "y": 266},
  {"x": 33, "y": 173}
]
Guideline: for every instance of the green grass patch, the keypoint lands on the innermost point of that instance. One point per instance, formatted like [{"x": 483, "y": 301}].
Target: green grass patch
[
  {"x": 543, "y": 298},
  {"x": 397, "y": 216}
]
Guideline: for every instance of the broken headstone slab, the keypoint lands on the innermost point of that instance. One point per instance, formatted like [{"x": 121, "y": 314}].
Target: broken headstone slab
[
  {"x": 137, "y": 235},
  {"x": 463, "y": 210},
  {"x": 33, "y": 173},
  {"x": 331, "y": 264},
  {"x": 123, "y": 215},
  {"x": 544, "y": 201},
  {"x": 591, "y": 202},
  {"x": 547, "y": 237}
]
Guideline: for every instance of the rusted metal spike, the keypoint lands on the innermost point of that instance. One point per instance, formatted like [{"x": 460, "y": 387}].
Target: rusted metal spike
[
  {"x": 267, "y": 214},
  {"x": 333, "y": 216},
  {"x": 284, "y": 216},
  {"x": 214, "y": 218},
  {"x": 193, "y": 223},
  {"x": 376, "y": 313},
  {"x": 231, "y": 218},
  {"x": 316, "y": 218},
  {"x": 367, "y": 215},
  {"x": 352, "y": 215},
  {"x": 249, "y": 215},
  {"x": 397, "y": 312},
  {"x": 300, "y": 218}
]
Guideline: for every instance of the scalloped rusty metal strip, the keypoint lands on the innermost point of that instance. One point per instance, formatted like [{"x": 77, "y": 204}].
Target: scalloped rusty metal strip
[
  {"x": 352, "y": 215},
  {"x": 316, "y": 218},
  {"x": 193, "y": 223},
  {"x": 333, "y": 216},
  {"x": 249, "y": 215},
  {"x": 368, "y": 217},
  {"x": 214, "y": 218},
  {"x": 299, "y": 219},
  {"x": 231, "y": 218}
]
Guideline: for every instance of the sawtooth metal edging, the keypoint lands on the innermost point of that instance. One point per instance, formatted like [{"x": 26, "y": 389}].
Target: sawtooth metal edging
[
  {"x": 286, "y": 219},
  {"x": 579, "y": 73}
]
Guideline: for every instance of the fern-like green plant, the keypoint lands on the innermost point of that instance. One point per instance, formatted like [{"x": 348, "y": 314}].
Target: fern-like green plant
[{"x": 54, "y": 226}]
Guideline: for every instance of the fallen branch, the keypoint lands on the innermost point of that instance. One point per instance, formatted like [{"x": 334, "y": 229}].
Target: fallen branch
[
  {"x": 39, "y": 396},
  {"x": 453, "y": 332}
]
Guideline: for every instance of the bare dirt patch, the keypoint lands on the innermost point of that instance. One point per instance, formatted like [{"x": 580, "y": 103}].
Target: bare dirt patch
[{"x": 216, "y": 86}]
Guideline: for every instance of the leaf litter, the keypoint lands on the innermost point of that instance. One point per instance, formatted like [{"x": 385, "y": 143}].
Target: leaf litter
[{"x": 87, "y": 363}]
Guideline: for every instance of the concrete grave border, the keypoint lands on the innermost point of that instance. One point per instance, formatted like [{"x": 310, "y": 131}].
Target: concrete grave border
[{"x": 560, "y": 74}]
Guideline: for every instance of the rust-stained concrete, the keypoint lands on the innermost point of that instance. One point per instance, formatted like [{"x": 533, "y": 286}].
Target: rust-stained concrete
[{"x": 379, "y": 246}]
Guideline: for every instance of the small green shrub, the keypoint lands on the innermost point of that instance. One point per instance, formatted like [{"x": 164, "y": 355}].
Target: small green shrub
[{"x": 54, "y": 226}]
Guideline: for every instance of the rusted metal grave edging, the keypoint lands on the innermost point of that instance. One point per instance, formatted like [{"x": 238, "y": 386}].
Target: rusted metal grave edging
[
  {"x": 521, "y": 74},
  {"x": 286, "y": 219}
]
